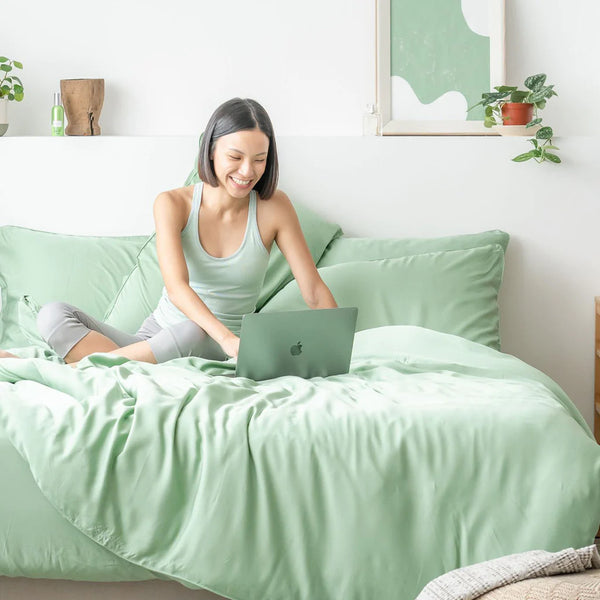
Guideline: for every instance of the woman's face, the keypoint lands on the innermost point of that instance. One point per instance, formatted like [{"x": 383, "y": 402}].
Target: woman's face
[{"x": 239, "y": 160}]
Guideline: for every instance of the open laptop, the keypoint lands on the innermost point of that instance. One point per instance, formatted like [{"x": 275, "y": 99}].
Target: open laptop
[{"x": 306, "y": 343}]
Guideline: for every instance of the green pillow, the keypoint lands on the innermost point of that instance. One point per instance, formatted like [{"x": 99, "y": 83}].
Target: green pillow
[
  {"x": 347, "y": 249},
  {"x": 27, "y": 310},
  {"x": 454, "y": 292},
  {"x": 22, "y": 330},
  {"x": 141, "y": 291},
  {"x": 2, "y": 304},
  {"x": 86, "y": 271}
]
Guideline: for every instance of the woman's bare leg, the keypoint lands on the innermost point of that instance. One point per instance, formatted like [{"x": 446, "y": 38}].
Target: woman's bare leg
[
  {"x": 92, "y": 342},
  {"x": 5, "y": 354},
  {"x": 96, "y": 342},
  {"x": 138, "y": 351}
]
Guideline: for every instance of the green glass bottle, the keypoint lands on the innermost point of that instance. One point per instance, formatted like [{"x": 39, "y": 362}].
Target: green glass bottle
[{"x": 58, "y": 116}]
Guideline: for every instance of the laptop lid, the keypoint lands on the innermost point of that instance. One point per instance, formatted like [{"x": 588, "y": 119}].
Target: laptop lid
[{"x": 306, "y": 343}]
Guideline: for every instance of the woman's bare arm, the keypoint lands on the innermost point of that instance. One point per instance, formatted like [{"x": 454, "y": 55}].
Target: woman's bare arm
[{"x": 291, "y": 242}]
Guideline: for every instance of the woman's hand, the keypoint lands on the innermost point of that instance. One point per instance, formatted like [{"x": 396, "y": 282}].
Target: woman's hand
[{"x": 231, "y": 345}]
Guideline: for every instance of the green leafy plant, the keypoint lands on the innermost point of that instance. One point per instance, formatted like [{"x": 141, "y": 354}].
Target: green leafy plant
[
  {"x": 537, "y": 94},
  {"x": 11, "y": 86}
]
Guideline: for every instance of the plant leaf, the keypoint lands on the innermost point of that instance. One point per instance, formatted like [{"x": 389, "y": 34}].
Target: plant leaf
[
  {"x": 18, "y": 64},
  {"x": 505, "y": 88},
  {"x": 475, "y": 105},
  {"x": 518, "y": 96},
  {"x": 551, "y": 147},
  {"x": 552, "y": 157},
  {"x": 534, "y": 122},
  {"x": 540, "y": 105},
  {"x": 542, "y": 94},
  {"x": 535, "y": 82},
  {"x": 11, "y": 96},
  {"x": 490, "y": 97},
  {"x": 19, "y": 96},
  {"x": 545, "y": 133},
  {"x": 18, "y": 89},
  {"x": 6, "y": 68},
  {"x": 524, "y": 157}
]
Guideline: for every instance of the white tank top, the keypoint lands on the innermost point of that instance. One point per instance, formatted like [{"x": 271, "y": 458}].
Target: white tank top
[{"x": 229, "y": 286}]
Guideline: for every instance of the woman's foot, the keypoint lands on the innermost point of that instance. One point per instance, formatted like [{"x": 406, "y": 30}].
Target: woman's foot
[{"x": 4, "y": 354}]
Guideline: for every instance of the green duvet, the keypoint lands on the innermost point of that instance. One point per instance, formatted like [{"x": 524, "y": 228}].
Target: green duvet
[{"x": 432, "y": 453}]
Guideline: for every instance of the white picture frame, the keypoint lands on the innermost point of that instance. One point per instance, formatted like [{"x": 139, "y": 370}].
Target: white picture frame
[{"x": 413, "y": 126}]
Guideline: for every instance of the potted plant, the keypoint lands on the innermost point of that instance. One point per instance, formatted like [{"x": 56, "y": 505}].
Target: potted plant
[
  {"x": 11, "y": 88},
  {"x": 508, "y": 106}
]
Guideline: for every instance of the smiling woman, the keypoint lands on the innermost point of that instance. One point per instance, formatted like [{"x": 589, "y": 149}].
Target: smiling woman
[{"x": 213, "y": 241}]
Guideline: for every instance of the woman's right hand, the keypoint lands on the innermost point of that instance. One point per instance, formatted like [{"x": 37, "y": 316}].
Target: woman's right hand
[{"x": 231, "y": 345}]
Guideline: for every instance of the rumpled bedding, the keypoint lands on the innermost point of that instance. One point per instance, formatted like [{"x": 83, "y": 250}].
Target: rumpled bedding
[{"x": 431, "y": 454}]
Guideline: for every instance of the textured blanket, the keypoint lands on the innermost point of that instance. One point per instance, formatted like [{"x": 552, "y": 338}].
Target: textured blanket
[
  {"x": 473, "y": 581},
  {"x": 433, "y": 453}
]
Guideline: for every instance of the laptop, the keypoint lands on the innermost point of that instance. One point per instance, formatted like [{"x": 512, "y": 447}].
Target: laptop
[{"x": 306, "y": 343}]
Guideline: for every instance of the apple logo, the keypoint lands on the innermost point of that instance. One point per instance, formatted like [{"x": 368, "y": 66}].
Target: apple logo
[{"x": 296, "y": 349}]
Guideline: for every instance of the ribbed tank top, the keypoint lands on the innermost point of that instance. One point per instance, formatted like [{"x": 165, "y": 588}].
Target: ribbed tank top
[{"x": 229, "y": 286}]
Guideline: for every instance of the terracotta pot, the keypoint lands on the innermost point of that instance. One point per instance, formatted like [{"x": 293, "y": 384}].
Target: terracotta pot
[
  {"x": 82, "y": 99},
  {"x": 517, "y": 113}
]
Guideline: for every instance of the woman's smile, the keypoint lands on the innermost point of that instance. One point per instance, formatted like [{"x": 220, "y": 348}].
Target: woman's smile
[{"x": 241, "y": 183}]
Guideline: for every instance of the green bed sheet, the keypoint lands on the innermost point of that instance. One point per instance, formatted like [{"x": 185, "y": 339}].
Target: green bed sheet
[{"x": 432, "y": 453}]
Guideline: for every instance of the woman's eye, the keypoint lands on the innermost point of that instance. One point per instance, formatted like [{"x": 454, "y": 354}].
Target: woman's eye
[
  {"x": 261, "y": 159},
  {"x": 234, "y": 157}
]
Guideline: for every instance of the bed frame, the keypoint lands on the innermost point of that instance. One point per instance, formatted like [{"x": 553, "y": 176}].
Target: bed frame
[{"x": 20, "y": 588}]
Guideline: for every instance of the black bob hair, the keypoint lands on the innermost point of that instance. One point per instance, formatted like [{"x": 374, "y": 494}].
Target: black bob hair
[{"x": 239, "y": 114}]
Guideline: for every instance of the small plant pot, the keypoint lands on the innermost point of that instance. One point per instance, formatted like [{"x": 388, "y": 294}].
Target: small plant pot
[
  {"x": 3, "y": 116},
  {"x": 517, "y": 113}
]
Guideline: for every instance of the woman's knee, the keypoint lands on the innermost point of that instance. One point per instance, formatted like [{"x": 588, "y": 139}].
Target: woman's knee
[
  {"x": 192, "y": 339},
  {"x": 185, "y": 339},
  {"x": 52, "y": 316}
]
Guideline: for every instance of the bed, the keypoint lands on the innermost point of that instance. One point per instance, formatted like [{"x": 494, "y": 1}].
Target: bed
[{"x": 435, "y": 451}]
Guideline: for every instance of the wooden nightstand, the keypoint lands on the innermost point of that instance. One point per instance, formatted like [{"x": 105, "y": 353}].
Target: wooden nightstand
[{"x": 597, "y": 372}]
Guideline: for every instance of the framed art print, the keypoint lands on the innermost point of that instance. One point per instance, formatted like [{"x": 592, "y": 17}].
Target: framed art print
[{"x": 434, "y": 60}]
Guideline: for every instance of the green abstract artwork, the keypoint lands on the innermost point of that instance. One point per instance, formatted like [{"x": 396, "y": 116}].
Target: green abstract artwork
[{"x": 440, "y": 58}]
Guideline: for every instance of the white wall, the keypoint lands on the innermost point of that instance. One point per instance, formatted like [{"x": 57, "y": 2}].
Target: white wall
[
  {"x": 311, "y": 63},
  {"x": 167, "y": 65}
]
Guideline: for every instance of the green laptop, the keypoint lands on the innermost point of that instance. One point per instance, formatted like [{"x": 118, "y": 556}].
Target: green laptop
[{"x": 307, "y": 343}]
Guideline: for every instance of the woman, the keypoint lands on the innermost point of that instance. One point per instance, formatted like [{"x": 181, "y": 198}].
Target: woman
[{"x": 213, "y": 241}]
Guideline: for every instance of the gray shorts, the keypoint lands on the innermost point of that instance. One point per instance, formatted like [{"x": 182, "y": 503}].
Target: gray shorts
[{"x": 62, "y": 325}]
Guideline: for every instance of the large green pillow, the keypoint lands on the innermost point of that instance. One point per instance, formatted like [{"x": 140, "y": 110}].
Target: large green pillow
[
  {"x": 348, "y": 249},
  {"x": 86, "y": 271},
  {"x": 2, "y": 304},
  {"x": 141, "y": 291},
  {"x": 453, "y": 292}
]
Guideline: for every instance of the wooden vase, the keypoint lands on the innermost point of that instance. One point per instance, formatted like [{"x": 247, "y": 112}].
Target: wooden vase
[{"x": 82, "y": 99}]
